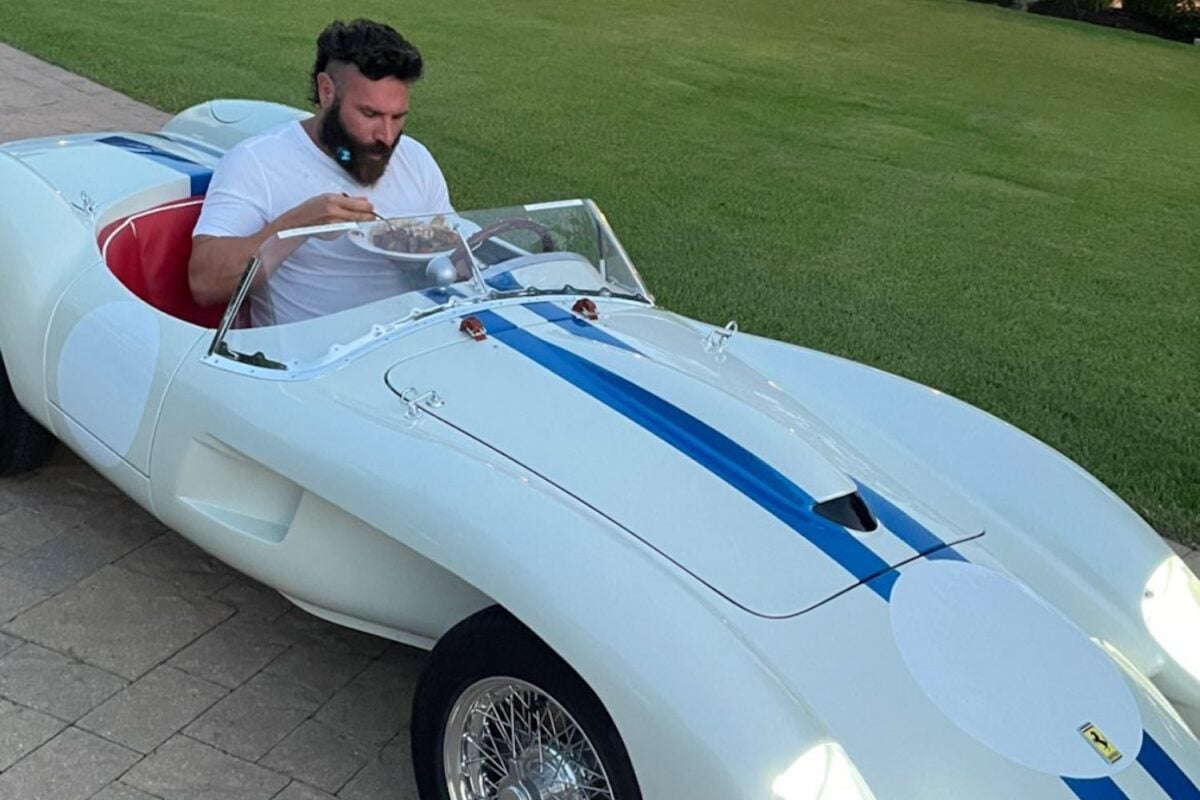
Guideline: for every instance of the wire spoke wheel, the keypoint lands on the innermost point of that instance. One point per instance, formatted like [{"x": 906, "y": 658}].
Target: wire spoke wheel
[
  {"x": 507, "y": 739},
  {"x": 498, "y": 715}
]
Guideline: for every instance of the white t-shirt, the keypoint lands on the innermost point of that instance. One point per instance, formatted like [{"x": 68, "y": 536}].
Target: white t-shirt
[{"x": 264, "y": 176}]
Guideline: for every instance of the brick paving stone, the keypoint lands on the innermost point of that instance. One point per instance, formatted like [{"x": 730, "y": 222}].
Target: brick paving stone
[
  {"x": 253, "y": 600},
  {"x": 373, "y": 706},
  {"x": 151, "y": 710},
  {"x": 51, "y": 682},
  {"x": 320, "y": 756},
  {"x": 320, "y": 669},
  {"x": 64, "y": 480},
  {"x": 119, "y": 521},
  {"x": 67, "y": 106},
  {"x": 9, "y": 643},
  {"x": 122, "y": 621},
  {"x": 119, "y": 791},
  {"x": 72, "y": 766},
  {"x": 255, "y": 717},
  {"x": 184, "y": 769},
  {"x": 398, "y": 749},
  {"x": 1180, "y": 549},
  {"x": 23, "y": 730},
  {"x": 27, "y": 526},
  {"x": 74, "y": 480},
  {"x": 231, "y": 653},
  {"x": 18, "y": 593},
  {"x": 303, "y": 626},
  {"x": 299, "y": 791},
  {"x": 388, "y": 777},
  {"x": 179, "y": 562},
  {"x": 382, "y": 780},
  {"x": 67, "y": 559}
]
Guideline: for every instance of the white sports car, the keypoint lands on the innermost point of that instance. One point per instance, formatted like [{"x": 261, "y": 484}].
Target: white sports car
[{"x": 652, "y": 558}]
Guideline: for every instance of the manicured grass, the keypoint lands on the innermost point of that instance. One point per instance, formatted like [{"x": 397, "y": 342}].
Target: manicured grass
[{"x": 1001, "y": 205}]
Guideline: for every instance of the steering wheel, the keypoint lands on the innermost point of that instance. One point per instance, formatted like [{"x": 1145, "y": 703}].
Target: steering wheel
[{"x": 462, "y": 261}]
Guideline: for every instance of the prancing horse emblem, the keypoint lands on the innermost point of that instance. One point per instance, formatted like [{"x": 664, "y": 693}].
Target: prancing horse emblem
[{"x": 1100, "y": 743}]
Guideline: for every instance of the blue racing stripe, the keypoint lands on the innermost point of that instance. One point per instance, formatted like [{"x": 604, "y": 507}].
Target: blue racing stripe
[
  {"x": 913, "y": 533},
  {"x": 197, "y": 146},
  {"x": 199, "y": 174},
  {"x": 1165, "y": 771},
  {"x": 747, "y": 473},
  {"x": 504, "y": 282},
  {"x": 946, "y": 554},
  {"x": 883, "y": 584},
  {"x": 573, "y": 324},
  {"x": 1095, "y": 789}
]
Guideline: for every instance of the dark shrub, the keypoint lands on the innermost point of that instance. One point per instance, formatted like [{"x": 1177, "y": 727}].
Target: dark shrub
[
  {"x": 1171, "y": 19},
  {"x": 1169, "y": 11}
]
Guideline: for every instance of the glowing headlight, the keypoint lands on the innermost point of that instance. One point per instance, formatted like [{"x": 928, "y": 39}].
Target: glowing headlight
[
  {"x": 822, "y": 773},
  {"x": 1171, "y": 608}
]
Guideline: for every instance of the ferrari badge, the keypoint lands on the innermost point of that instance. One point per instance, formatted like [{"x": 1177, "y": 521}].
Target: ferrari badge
[{"x": 1100, "y": 742}]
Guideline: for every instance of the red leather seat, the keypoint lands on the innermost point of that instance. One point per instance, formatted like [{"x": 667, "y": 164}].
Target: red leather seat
[{"x": 149, "y": 252}]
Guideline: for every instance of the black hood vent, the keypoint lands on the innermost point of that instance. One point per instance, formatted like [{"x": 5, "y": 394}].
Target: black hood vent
[{"x": 849, "y": 511}]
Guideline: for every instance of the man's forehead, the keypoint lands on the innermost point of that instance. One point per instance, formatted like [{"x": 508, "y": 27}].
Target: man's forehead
[{"x": 386, "y": 94}]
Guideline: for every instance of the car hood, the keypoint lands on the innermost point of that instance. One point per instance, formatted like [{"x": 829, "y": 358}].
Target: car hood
[{"x": 686, "y": 448}]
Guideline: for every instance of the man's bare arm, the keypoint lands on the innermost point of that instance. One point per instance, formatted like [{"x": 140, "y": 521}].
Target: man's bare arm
[{"x": 217, "y": 262}]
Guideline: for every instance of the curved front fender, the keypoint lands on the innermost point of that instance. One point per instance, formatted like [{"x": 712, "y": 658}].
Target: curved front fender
[{"x": 1049, "y": 522}]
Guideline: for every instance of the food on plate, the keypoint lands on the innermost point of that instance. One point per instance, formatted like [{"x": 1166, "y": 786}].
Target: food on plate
[{"x": 415, "y": 236}]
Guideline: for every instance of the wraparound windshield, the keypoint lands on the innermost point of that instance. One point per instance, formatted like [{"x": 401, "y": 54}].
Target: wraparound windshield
[{"x": 311, "y": 294}]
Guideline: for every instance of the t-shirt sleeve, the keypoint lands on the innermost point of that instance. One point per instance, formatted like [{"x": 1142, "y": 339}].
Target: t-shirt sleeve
[
  {"x": 436, "y": 198},
  {"x": 439, "y": 192},
  {"x": 237, "y": 199}
]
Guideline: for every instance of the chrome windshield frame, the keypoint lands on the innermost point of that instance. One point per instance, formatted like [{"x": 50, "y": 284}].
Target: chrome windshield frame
[
  {"x": 234, "y": 307},
  {"x": 235, "y": 303}
]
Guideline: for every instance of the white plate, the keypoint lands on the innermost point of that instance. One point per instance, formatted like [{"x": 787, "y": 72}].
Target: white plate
[{"x": 362, "y": 238}]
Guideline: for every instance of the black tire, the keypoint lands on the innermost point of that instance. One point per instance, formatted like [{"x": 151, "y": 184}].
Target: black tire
[
  {"x": 494, "y": 644},
  {"x": 24, "y": 444}
]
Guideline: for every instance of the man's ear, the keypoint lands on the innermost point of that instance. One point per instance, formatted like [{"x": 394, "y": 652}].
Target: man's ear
[{"x": 326, "y": 89}]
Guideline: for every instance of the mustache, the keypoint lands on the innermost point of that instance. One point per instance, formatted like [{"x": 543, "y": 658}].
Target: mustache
[
  {"x": 336, "y": 137},
  {"x": 366, "y": 162}
]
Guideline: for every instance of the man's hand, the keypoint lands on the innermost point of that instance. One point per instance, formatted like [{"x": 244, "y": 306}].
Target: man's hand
[
  {"x": 218, "y": 262},
  {"x": 324, "y": 209}
]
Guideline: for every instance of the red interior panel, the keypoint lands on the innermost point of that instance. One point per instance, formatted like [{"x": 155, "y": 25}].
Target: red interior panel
[{"x": 149, "y": 252}]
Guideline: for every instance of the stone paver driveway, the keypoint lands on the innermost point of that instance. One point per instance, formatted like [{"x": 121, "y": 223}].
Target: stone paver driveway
[{"x": 134, "y": 666}]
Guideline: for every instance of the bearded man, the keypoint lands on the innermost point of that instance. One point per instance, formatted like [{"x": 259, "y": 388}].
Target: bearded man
[{"x": 346, "y": 163}]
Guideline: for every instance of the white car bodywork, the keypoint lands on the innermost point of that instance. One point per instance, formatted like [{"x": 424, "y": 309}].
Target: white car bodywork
[{"x": 646, "y": 533}]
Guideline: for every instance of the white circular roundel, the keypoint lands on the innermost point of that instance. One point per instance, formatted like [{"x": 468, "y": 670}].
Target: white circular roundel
[
  {"x": 1012, "y": 671},
  {"x": 105, "y": 372}
]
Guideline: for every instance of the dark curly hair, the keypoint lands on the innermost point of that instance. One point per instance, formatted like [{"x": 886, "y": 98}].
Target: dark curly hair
[{"x": 376, "y": 49}]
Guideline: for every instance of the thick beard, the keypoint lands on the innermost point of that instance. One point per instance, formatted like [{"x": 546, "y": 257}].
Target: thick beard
[{"x": 352, "y": 155}]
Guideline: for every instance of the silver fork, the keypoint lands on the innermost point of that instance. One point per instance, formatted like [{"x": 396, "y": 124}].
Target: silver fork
[{"x": 378, "y": 216}]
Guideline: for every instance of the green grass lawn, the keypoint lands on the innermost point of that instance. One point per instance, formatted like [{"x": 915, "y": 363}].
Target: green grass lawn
[{"x": 1001, "y": 205}]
